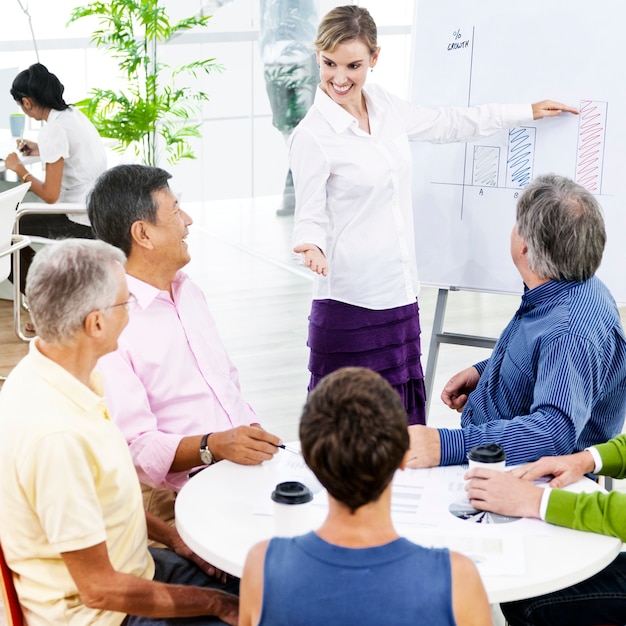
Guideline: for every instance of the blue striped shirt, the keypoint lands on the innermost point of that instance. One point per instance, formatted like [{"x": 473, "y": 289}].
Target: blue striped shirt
[{"x": 556, "y": 381}]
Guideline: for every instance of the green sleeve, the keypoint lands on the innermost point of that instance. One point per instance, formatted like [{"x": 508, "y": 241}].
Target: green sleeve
[
  {"x": 613, "y": 455},
  {"x": 595, "y": 512}
]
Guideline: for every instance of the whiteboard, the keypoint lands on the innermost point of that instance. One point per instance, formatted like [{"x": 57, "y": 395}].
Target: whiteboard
[{"x": 469, "y": 52}]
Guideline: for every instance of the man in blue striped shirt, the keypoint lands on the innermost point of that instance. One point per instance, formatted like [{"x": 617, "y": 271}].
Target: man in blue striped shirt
[{"x": 556, "y": 381}]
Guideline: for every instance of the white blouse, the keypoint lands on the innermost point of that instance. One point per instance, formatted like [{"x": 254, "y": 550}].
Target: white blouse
[
  {"x": 68, "y": 134},
  {"x": 353, "y": 189}
]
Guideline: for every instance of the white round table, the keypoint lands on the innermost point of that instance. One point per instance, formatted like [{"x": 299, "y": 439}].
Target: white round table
[{"x": 225, "y": 509}]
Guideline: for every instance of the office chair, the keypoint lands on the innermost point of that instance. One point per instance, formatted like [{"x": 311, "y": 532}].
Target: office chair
[
  {"x": 9, "y": 595},
  {"x": 36, "y": 208},
  {"x": 9, "y": 242}
]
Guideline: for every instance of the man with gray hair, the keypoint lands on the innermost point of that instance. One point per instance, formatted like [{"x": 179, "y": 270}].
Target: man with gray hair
[
  {"x": 556, "y": 381},
  {"x": 72, "y": 524},
  {"x": 171, "y": 386}
]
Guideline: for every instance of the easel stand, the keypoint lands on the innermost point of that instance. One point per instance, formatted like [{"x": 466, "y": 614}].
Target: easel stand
[{"x": 438, "y": 337}]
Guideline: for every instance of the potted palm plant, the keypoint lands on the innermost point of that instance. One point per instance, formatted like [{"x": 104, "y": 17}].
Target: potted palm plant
[{"x": 155, "y": 114}]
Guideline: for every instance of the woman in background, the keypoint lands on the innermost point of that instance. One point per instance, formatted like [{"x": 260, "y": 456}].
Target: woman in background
[
  {"x": 71, "y": 150},
  {"x": 353, "y": 225}
]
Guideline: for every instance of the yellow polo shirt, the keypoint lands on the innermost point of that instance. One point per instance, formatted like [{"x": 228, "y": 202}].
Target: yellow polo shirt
[{"x": 67, "y": 482}]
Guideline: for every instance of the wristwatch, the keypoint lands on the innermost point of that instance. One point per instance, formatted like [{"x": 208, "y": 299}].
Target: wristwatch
[{"x": 206, "y": 456}]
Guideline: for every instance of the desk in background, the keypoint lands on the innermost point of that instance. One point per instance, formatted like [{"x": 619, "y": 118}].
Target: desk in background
[
  {"x": 8, "y": 144},
  {"x": 225, "y": 509}
]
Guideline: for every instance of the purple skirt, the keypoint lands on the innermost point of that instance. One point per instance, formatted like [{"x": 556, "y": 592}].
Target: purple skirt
[{"x": 387, "y": 341}]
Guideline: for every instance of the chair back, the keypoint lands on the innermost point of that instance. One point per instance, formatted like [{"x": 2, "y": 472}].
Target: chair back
[
  {"x": 9, "y": 595},
  {"x": 9, "y": 201}
]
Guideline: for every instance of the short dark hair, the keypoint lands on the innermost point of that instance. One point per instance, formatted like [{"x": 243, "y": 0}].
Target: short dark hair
[
  {"x": 562, "y": 225},
  {"x": 121, "y": 196},
  {"x": 354, "y": 434},
  {"x": 41, "y": 86}
]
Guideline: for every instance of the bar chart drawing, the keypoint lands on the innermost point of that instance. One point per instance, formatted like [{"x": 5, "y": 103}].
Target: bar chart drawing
[
  {"x": 591, "y": 140},
  {"x": 468, "y": 53},
  {"x": 486, "y": 165},
  {"x": 521, "y": 142},
  {"x": 483, "y": 161},
  {"x": 521, "y": 145}
]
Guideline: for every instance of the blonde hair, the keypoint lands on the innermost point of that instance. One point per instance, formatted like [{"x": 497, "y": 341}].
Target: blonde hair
[{"x": 346, "y": 23}]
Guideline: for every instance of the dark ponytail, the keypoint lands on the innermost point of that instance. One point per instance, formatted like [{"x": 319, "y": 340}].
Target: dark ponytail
[{"x": 42, "y": 86}]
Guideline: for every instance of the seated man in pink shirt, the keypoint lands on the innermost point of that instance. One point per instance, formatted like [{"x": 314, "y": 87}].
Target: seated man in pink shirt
[{"x": 170, "y": 386}]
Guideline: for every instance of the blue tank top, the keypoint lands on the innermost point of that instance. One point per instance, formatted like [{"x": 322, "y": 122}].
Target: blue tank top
[{"x": 309, "y": 582}]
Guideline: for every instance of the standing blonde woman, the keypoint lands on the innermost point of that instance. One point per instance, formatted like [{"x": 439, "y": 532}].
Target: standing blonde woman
[{"x": 353, "y": 225}]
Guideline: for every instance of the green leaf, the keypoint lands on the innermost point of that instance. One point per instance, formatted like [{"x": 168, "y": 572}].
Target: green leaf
[{"x": 152, "y": 110}]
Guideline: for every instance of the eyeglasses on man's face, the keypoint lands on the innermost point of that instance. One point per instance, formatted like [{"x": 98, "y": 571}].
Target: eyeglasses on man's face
[{"x": 130, "y": 304}]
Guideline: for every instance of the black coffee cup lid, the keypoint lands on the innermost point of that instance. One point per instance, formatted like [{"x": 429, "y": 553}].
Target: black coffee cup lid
[
  {"x": 488, "y": 453},
  {"x": 292, "y": 492}
]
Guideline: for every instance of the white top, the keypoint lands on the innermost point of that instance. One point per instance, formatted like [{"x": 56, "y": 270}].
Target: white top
[
  {"x": 353, "y": 189},
  {"x": 70, "y": 135}
]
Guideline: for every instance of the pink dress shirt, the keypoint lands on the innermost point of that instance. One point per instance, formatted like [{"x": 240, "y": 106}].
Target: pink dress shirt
[{"x": 170, "y": 377}]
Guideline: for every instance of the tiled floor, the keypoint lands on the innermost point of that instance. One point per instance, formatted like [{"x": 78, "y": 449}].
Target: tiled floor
[{"x": 260, "y": 298}]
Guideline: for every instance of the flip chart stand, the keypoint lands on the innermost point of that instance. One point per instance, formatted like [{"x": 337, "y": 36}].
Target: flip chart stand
[{"x": 438, "y": 337}]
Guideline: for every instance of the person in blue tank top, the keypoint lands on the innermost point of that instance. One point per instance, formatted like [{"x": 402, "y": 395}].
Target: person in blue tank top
[{"x": 356, "y": 569}]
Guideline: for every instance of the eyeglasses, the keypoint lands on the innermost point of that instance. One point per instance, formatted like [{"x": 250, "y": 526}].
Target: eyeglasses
[{"x": 130, "y": 304}]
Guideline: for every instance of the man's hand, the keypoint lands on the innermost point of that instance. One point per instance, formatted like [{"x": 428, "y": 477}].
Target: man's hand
[
  {"x": 182, "y": 549},
  {"x": 566, "y": 469},
  {"x": 458, "y": 388},
  {"x": 248, "y": 445},
  {"x": 159, "y": 531},
  {"x": 501, "y": 492},
  {"x": 313, "y": 258},
  {"x": 226, "y": 607},
  {"x": 550, "y": 108},
  {"x": 425, "y": 448},
  {"x": 102, "y": 587}
]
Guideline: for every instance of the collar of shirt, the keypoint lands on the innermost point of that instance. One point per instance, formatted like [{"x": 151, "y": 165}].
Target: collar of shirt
[
  {"x": 147, "y": 293},
  {"x": 54, "y": 113},
  {"x": 86, "y": 398},
  {"x": 338, "y": 118},
  {"x": 548, "y": 291}
]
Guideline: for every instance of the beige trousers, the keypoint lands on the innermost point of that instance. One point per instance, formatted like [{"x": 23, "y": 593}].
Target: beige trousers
[{"x": 159, "y": 502}]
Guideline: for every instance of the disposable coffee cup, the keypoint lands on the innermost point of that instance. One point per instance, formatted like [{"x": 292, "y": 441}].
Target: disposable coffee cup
[
  {"x": 292, "y": 509},
  {"x": 490, "y": 455}
]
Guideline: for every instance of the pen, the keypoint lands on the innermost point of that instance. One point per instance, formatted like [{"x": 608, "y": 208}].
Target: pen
[
  {"x": 282, "y": 445},
  {"x": 292, "y": 450},
  {"x": 196, "y": 472}
]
